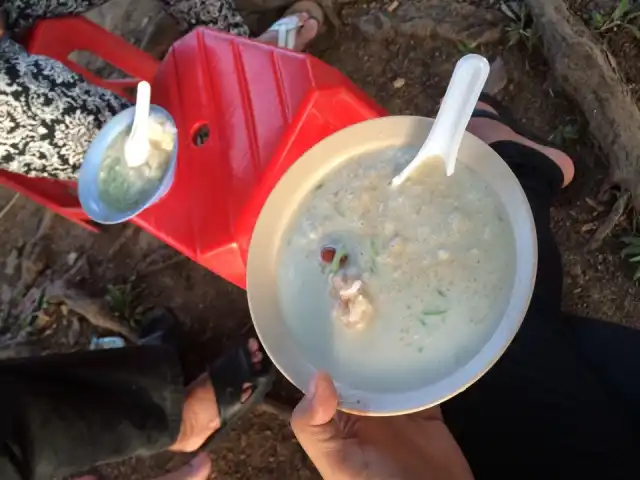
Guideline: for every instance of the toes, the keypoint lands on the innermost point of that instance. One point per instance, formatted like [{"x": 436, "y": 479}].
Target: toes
[
  {"x": 307, "y": 32},
  {"x": 256, "y": 357},
  {"x": 256, "y": 354}
]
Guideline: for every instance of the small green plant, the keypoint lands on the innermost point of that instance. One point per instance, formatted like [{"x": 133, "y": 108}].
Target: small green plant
[
  {"x": 565, "y": 133},
  {"x": 621, "y": 17},
  {"x": 632, "y": 253},
  {"x": 124, "y": 302},
  {"x": 521, "y": 28},
  {"x": 465, "y": 47}
]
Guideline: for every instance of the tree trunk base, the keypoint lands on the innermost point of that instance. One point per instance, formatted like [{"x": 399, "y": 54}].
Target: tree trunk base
[{"x": 589, "y": 74}]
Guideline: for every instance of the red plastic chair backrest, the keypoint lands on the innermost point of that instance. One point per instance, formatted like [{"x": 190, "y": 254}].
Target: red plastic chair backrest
[{"x": 58, "y": 38}]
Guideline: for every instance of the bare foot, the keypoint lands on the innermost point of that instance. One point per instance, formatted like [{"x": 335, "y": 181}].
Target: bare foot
[
  {"x": 491, "y": 131},
  {"x": 200, "y": 417},
  {"x": 306, "y": 33}
]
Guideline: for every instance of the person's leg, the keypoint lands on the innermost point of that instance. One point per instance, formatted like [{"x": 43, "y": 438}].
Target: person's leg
[
  {"x": 48, "y": 114},
  {"x": 611, "y": 351},
  {"x": 542, "y": 172},
  {"x": 223, "y": 15},
  {"x": 63, "y": 413},
  {"x": 21, "y": 14},
  {"x": 66, "y": 412},
  {"x": 218, "y": 14},
  {"x": 540, "y": 412}
]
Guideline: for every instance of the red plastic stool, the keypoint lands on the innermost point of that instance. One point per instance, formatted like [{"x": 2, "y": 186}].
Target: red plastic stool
[
  {"x": 58, "y": 38},
  {"x": 259, "y": 108}
]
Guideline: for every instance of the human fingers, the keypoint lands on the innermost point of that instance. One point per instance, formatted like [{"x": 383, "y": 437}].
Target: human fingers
[{"x": 314, "y": 426}]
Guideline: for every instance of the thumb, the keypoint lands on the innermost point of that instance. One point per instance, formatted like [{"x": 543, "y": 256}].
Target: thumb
[
  {"x": 197, "y": 469},
  {"x": 313, "y": 425}
]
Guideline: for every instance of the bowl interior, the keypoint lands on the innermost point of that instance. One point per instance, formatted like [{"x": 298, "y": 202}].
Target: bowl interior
[
  {"x": 280, "y": 209},
  {"x": 88, "y": 188}
]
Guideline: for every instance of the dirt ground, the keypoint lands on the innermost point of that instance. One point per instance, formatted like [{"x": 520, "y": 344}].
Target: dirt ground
[{"x": 403, "y": 60}]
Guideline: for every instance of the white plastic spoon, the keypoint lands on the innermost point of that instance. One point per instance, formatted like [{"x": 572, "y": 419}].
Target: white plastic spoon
[
  {"x": 136, "y": 148},
  {"x": 444, "y": 140}
]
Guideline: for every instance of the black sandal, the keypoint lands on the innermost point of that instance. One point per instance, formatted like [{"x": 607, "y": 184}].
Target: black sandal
[
  {"x": 505, "y": 117},
  {"x": 228, "y": 376}
]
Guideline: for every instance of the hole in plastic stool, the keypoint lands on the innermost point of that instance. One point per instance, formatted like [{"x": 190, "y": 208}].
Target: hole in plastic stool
[{"x": 200, "y": 135}]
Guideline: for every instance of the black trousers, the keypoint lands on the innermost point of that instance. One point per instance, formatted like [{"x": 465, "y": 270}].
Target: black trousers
[
  {"x": 563, "y": 401},
  {"x": 63, "y": 413}
]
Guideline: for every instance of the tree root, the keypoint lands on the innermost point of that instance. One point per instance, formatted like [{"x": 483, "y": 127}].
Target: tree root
[
  {"x": 128, "y": 231},
  {"x": 93, "y": 309},
  {"x": 8, "y": 206},
  {"x": 610, "y": 222},
  {"x": 589, "y": 74},
  {"x": 31, "y": 263},
  {"x": 157, "y": 261}
]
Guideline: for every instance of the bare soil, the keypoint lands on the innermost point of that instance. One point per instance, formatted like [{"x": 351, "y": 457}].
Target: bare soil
[{"x": 405, "y": 67}]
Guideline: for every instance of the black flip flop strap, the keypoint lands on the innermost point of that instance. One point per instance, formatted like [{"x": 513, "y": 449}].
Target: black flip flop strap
[
  {"x": 504, "y": 116},
  {"x": 228, "y": 376}
]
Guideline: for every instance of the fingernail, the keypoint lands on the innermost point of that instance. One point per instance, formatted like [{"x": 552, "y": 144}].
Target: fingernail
[
  {"x": 313, "y": 387},
  {"x": 306, "y": 404}
]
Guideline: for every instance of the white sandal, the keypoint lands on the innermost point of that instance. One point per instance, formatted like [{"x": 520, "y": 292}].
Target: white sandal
[
  {"x": 287, "y": 28},
  {"x": 289, "y": 25}
]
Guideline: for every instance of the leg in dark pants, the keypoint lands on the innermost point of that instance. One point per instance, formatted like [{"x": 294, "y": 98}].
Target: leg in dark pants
[
  {"x": 544, "y": 410},
  {"x": 63, "y": 413}
]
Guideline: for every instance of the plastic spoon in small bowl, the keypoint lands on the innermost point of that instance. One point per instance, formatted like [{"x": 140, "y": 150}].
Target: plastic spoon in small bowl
[
  {"x": 457, "y": 106},
  {"x": 136, "y": 148}
]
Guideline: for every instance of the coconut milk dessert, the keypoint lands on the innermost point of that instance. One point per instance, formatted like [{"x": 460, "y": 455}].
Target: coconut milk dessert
[{"x": 391, "y": 289}]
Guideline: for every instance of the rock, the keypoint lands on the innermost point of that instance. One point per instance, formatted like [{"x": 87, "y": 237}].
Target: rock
[
  {"x": 603, "y": 6},
  {"x": 6, "y": 294},
  {"x": 398, "y": 83},
  {"x": 74, "y": 331},
  {"x": 454, "y": 21},
  {"x": 458, "y": 22},
  {"x": 497, "y": 77},
  {"x": 374, "y": 25},
  {"x": 71, "y": 258}
]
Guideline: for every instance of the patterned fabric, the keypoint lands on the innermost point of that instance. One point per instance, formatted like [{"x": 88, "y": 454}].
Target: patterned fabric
[
  {"x": 48, "y": 114},
  {"x": 220, "y": 14}
]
